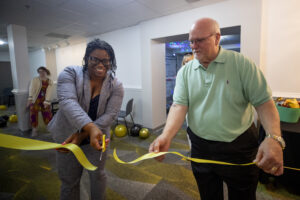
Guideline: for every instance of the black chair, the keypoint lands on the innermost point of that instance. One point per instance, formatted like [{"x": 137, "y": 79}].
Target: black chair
[
  {"x": 54, "y": 107},
  {"x": 124, "y": 114},
  {"x": 9, "y": 97}
]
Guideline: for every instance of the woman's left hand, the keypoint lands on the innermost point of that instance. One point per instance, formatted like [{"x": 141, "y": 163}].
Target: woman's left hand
[
  {"x": 46, "y": 105},
  {"x": 75, "y": 138}
]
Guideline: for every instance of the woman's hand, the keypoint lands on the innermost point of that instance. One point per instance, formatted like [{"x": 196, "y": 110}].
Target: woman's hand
[
  {"x": 75, "y": 138},
  {"x": 95, "y": 135},
  {"x": 29, "y": 102},
  {"x": 46, "y": 105}
]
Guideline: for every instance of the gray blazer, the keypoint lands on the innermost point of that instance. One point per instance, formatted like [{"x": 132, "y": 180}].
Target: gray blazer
[{"x": 74, "y": 95}]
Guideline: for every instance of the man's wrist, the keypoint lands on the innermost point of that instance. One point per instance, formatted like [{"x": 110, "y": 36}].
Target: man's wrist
[{"x": 277, "y": 138}]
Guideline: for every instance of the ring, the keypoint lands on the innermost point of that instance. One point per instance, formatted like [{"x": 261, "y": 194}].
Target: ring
[{"x": 274, "y": 169}]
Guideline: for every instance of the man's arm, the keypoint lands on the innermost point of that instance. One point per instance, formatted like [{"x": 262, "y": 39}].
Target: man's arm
[
  {"x": 174, "y": 122},
  {"x": 270, "y": 155}
]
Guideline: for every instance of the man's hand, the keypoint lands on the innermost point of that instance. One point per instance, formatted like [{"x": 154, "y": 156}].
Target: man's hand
[
  {"x": 270, "y": 157},
  {"x": 160, "y": 144}
]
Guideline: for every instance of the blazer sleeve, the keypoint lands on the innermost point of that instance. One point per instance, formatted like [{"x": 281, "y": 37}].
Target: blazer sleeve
[
  {"x": 68, "y": 100},
  {"x": 112, "y": 108},
  {"x": 30, "y": 96},
  {"x": 49, "y": 92}
]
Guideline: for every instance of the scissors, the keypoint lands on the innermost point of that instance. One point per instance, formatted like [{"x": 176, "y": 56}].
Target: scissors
[{"x": 103, "y": 146}]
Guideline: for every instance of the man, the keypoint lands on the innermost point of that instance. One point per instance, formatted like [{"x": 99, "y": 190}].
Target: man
[{"x": 217, "y": 91}]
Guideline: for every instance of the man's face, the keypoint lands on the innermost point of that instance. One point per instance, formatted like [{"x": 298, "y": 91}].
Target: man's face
[{"x": 203, "y": 44}]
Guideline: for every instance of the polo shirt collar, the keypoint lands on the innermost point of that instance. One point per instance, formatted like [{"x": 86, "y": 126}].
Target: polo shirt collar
[{"x": 219, "y": 59}]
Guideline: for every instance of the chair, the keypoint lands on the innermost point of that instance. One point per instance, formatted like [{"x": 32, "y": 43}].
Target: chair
[
  {"x": 9, "y": 96},
  {"x": 124, "y": 114}
]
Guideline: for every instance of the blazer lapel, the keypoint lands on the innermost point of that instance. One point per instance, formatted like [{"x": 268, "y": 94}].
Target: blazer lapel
[
  {"x": 86, "y": 91},
  {"x": 104, "y": 94}
]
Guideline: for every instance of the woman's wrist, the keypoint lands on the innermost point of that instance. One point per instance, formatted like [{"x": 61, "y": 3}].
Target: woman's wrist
[{"x": 88, "y": 128}]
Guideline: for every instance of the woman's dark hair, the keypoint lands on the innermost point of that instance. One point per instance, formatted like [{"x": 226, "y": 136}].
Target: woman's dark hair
[
  {"x": 45, "y": 69},
  {"x": 100, "y": 44}
]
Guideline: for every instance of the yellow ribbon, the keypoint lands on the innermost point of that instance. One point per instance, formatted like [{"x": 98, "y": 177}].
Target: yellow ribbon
[
  {"x": 154, "y": 155},
  {"x": 14, "y": 142},
  {"x": 198, "y": 160}
]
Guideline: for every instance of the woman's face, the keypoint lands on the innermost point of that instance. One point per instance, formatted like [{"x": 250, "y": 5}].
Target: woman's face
[
  {"x": 42, "y": 73},
  {"x": 98, "y": 63}
]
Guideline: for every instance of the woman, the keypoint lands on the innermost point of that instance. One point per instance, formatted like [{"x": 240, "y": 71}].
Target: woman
[
  {"x": 39, "y": 98},
  {"x": 187, "y": 58},
  {"x": 90, "y": 98}
]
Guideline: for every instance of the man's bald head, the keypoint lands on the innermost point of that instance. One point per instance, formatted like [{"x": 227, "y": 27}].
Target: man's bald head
[
  {"x": 206, "y": 25},
  {"x": 205, "y": 39}
]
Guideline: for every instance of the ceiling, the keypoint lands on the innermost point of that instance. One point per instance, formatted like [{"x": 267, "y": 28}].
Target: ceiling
[{"x": 56, "y": 23}]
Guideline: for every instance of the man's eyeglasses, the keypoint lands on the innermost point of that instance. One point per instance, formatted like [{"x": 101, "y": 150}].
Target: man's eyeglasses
[
  {"x": 105, "y": 62},
  {"x": 200, "y": 40}
]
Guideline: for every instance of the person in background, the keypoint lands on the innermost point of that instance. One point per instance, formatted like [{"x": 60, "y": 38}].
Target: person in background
[
  {"x": 217, "y": 90},
  {"x": 186, "y": 58},
  {"x": 39, "y": 99},
  {"x": 90, "y": 99}
]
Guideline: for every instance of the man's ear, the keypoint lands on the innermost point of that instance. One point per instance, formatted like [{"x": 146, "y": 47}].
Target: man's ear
[{"x": 218, "y": 37}]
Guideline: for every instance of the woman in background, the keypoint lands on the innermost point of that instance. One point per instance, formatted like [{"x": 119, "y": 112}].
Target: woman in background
[
  {"x": 90, "y": 99},
  {"x": 186, "y": 58},
  {"x": 40, "y": 98}
]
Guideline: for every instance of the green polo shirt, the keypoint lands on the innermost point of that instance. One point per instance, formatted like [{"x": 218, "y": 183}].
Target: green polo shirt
[{"x": 220, "y": 98}]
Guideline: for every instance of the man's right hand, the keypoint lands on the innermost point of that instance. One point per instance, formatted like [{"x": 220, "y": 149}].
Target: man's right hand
[{"x": 160, "y": 144}]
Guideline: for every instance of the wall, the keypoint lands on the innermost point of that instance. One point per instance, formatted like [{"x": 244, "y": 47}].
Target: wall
[
  {"x": 5, "y": 77},
  {"x": 50, "y": 59},
  {"x": 70, "y": 55},
  {"x": 280, "y": 46},
  {"x": 127, "y": 47},
  {"x": 36, "y": 59},
  {"x": 4, "y": 56}
]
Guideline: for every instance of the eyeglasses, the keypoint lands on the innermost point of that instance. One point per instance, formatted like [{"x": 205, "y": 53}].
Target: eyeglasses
[
  {"x": 105, "y": 62},
  {"x": 200, "y": 40}
]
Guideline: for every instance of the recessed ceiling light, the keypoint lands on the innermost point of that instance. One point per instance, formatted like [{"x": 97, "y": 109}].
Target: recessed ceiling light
[{"x": 2, "y": 42}]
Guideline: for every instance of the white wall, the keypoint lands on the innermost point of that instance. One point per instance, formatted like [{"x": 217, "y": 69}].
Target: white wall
[
  {"x": 4, "y": 56},
  {"x": 280, "y": 46},
  {"x": 70, "y": 55},
  {"x": 50, "y": 57},
  {"x": 36, "y": 59},
  {"x": 127, "y": 47}
]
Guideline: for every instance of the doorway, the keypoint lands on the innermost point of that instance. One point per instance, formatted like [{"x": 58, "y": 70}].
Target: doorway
[{"x": 178, "y": 46}]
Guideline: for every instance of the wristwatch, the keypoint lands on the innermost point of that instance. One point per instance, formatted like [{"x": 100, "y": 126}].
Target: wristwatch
[{"x": 279, "y": 139}]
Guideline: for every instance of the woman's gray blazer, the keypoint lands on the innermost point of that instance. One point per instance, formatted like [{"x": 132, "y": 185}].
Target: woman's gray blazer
[{"x": 74, "y": 95}]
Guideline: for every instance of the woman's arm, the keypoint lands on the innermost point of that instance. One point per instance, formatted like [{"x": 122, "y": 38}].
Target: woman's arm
[
  {"x": 113, "y": 107},
  {"x": 49, "y": 93},
  {"x": 68, "y": 101}
]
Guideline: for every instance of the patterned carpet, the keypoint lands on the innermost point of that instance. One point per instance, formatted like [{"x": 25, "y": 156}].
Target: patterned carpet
[{"x": 33, "y": 174}]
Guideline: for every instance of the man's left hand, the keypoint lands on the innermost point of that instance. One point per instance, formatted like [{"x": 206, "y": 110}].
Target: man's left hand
[{"x": 270, "y": 157}]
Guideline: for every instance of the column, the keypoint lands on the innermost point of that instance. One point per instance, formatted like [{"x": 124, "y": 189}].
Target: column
[{"x": 18, "y": 51}]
